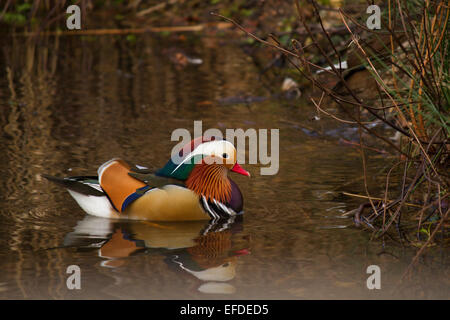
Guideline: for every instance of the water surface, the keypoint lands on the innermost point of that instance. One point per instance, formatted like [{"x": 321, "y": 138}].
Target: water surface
[{"x": 70, "y": 104}]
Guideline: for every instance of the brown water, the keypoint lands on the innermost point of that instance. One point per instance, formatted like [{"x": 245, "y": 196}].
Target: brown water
[{"x": 70, "y": 104}]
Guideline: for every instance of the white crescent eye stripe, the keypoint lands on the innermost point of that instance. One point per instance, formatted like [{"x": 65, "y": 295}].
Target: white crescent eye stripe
[{"x": 207, "y": 148}]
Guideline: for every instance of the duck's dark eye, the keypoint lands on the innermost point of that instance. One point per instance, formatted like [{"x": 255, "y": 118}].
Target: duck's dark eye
[{"x": 225, "y": 155}]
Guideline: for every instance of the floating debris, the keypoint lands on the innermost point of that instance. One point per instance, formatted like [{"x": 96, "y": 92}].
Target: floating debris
[{"x": 291, "y": 89}]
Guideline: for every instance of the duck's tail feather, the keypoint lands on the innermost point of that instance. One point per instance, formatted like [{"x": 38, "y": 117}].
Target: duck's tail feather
[{"x": 87, "y": 185}]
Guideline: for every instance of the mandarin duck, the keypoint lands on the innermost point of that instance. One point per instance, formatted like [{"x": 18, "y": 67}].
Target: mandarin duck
[{"x": 196, "y": 187}]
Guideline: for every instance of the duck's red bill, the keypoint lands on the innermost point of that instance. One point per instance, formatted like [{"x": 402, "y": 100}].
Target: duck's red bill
[
  {"x": 238, "y": 169},
  {"x": 242, "y": 252}
]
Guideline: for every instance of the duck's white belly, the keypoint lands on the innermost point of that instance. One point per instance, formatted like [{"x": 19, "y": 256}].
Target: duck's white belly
[{"x": 96, "y": 206}]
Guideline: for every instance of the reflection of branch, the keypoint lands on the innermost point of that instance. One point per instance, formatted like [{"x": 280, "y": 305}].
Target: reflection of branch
[
  {"x": 414, "y": 260},
  {"x": 157, "y": 7},
  {"x": 4, "y": 9},
  {"x": 333, "y": 116},
  {"x": 255, "y": 37},
  {"x": 379, "y": 199},
  {"x": 340, "y": 31},
  {"x": 195, "y": 28}
]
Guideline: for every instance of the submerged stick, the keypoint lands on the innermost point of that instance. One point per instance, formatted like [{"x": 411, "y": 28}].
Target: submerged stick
[{"x": 379, "y": 199}]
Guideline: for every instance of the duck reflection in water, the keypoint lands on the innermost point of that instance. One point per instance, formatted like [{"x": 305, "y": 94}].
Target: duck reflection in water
[{"x": 207, "y": 251}]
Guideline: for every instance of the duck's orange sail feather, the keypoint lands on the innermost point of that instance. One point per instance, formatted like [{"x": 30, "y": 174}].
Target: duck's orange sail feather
[{"x": 117, "y": 184}]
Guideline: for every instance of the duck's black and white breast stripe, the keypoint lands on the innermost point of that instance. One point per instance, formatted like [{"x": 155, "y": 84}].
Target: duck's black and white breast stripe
[{"x": 215, "y": 209}]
